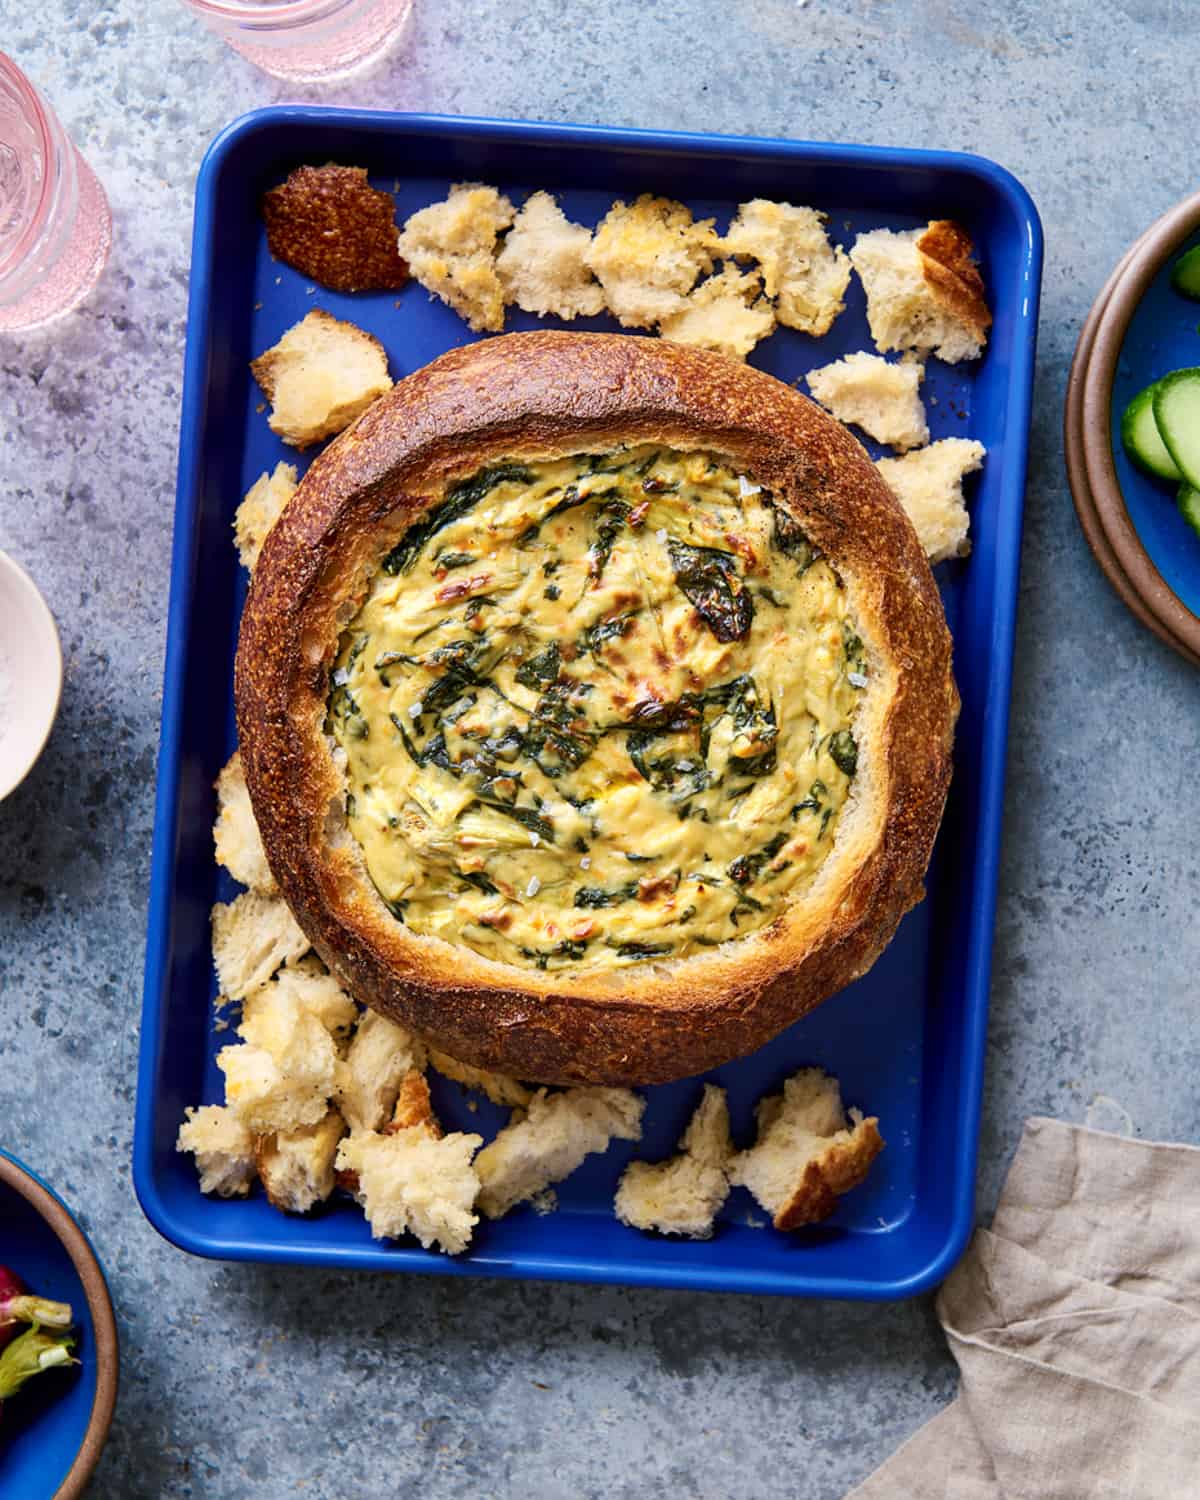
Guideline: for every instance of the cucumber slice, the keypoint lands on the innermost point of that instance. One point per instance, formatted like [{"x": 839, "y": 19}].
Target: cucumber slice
[
  {"x": 1188, "y": 500},
  {"x": 1176, "y": 404},
  {"x": 1140, "y": 435},
  {"x": 1185, "y": 273}
]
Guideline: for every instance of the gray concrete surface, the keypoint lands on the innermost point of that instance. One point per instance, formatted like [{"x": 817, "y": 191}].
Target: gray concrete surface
[{"x": 242, "y": 1381}]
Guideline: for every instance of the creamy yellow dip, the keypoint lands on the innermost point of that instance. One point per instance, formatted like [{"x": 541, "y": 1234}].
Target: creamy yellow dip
[{"x": 598, "y": 710}]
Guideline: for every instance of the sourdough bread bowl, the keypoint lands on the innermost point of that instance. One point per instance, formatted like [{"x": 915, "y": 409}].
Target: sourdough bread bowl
[{"x": 596, "y": 707}]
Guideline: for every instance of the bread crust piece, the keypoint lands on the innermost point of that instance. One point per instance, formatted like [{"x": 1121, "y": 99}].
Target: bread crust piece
[
  {"x": 541, "y": 395},
  {"x": 952, "y": 275}
]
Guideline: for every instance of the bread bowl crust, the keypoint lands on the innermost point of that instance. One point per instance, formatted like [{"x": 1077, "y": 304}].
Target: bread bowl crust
[{"x": 546, "y": 394}]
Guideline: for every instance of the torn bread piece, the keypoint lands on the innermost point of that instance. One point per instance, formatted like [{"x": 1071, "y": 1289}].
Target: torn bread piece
[
  {"x": 281, "y": 1076},
  {"x": 880, "y": 397},
  {"x": 252, "y": 936},
  {"x": 332, "y": 226},
  {"x": 803, "y": 272},
  {"x": 548, "y": 1141},
  {"x": 308, "y": 980},
  {"x": 924, "y": 290},
  {"x": 498, "y": 1087},
  {"x": 414, "y": 1182},
  {"x": 238, "y": 844},
  {"x": 543, "y": 266},
  {"x": 320, "y": 376},
  {"x": 725, "y": 313},
  {"x": 685, "y": 1194},
  {"x": 451, "y": 250},
  {"x": 296, "y": 1166},
  {"x": 223, "y": 1148},
  {"x": 648, "y": 255},
  {"x": 368, "y": 1078},
  {"x": 413, "y": 1110},
  {"x": 807, "y": 1153},
  {"x": 929, "y": 485},
  {"x": 260, "y": 509}
]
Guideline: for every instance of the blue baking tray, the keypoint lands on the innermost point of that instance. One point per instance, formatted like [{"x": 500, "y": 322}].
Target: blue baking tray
[{"x": 907, "y": 1041}]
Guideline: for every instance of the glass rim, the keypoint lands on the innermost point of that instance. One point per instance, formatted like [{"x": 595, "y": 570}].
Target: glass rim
[
  {"x": 44, "y": 125},
  {"x": 261, "y": 14}
]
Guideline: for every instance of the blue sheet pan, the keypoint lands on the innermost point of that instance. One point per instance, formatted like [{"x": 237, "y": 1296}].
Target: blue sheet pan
[{"x": 907, "y": 1041}]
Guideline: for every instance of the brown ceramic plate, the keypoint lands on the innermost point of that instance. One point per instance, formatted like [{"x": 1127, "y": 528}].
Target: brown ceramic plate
[
  {"x": 1157, "y": 605},
  {"x": 1085, "y": 506},
  {"x": 65, "y": 1474}
]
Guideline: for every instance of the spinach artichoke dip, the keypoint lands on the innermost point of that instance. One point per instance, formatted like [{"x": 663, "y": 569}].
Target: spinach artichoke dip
[{"x": 598, "y": 710}]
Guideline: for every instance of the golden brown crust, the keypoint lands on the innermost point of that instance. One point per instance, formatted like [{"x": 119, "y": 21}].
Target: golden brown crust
[
  {"x": 842, "y": 1165},
  {"x": 537, "y": 395},
  {"x": 332, "y": 226},
  {"x": 952, "y": 275},
  {"x": 413, "y": 1106}
]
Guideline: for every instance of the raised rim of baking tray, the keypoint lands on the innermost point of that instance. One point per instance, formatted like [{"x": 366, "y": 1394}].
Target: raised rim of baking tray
[{"x": 599, "y": 1266}]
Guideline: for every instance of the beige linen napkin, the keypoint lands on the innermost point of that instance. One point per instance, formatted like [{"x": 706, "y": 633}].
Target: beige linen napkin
[{"x": 1075, "y": 1322}]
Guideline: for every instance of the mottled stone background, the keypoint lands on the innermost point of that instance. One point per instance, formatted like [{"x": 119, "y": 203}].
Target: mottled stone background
[{"x": 244, "y": 1381}]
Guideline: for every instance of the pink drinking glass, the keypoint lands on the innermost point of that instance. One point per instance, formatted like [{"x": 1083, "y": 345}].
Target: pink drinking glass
[
  {"x": 306, "y": 41},
  {"x": 55, "y": 224}
]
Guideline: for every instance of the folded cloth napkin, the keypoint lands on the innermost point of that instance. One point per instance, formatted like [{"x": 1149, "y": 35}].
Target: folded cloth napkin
[{"x": 1075, "y": 1322}]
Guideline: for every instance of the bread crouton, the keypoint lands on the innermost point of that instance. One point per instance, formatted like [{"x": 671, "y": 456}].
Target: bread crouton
[
  {"x": 223, "y": 1148},
  {"x": 924, "y": 290},
  {"x": 647, "y": 256},
  {"x": 880, "y": 397},
  {"x": 685, "y": 1194},
  {"x": 282, "y": 1075},
  {"x": 235, "y": 833},
  {"x": 252, "y": 936},
  {"x": 413, "y": 1182},
  {"x": 260, "y": 509},
  {"x": 542, "y": 266},
  {"x": 332, "y": 226},
  {"x": 725, "y": 313},
  {"x": 548, "y": 1141},
  {"x": 320, "y": 376},
  {"x": 803, "y": 273},
  {"x": 928, "y": 484},
  {"x": 499, "y": 1088},
  {"x": 807, "y": 1153},
  {"x": 296, "y": 1166},
  {"x": 318, "y": 992},
  {"x": 368, "y": 1079},
  {"x": 451, "y": 250},
  {"x": 413, "y": 1107}
]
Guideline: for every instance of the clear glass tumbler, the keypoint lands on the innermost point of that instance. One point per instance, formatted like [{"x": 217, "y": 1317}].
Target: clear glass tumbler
[
  {"x": 55, "y": 224},
  {"x": 306, "y": 41}
]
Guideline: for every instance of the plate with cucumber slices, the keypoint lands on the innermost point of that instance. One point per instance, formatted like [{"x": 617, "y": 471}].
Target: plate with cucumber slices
[{"x": 1132, "y": 428}]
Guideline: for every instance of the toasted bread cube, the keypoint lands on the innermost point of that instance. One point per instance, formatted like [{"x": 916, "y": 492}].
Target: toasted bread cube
[
  {"x": 414, "y": 1107},
  {"x": 281, "y": 1077},
  {"x": 802, "y": 271},
  {"x": 252, "y": 936},
  {"x": 451, "y": 250},
  {"x": 548, "y": 1141},
  {"x": 320, "y": 376},
  {"x": 880, "y": 397},
  {"x": 808, "y": 1153},
  {"x": 369, "y": 1077},
  {"x": 296, "y": 1166},
  {"x": 543, "y": 266},
  {"x": 413, "y": 1182},
  {"x": 316, "y": 990},
  {"x": 924, "y": 290},
  {"x": 684, "y": 1194},
  {"x": 498, "y": 1087},
  {"x": 725, "y": 313},
  {"x": 223, "y": 1148},
  {"x": 260, "y": 509},
  {"x": 928, "y": 484},
  {"x": 647, "y": 256},
  {"x": 235, "y": 833}
]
